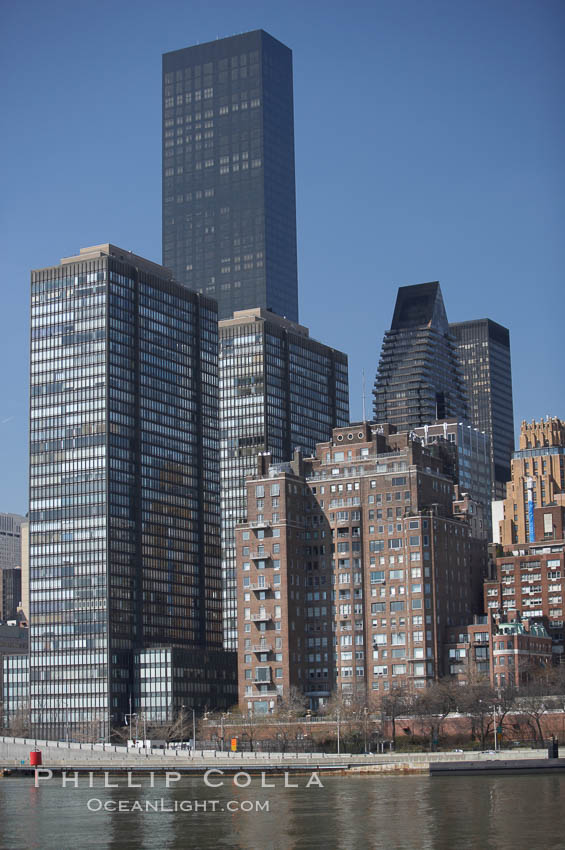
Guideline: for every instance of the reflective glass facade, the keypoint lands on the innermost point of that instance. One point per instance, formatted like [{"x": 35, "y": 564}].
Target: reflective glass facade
[
  {"x": 15, "y": 691},
  {"x": 472, "y": 470},
  {"x": 124, "y": 481},
  {"x": 419, "y": 378},
  {"x": 168, "y": 678},
  {"x": 229, "y": 205},
  {"x": 10, "y": 593},
  {"x": 279, "y": 390},
  {"x": 483, "y": 347}
]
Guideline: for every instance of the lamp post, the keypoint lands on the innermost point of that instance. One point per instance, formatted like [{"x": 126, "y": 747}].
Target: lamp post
[
  {"x": 227, "y": 714},
  {"x": 183, "y": 707},
  {"x": 338, "y": 731},
  {"x": 365, "y": 713},
  {"x": 131, "y": 715}
]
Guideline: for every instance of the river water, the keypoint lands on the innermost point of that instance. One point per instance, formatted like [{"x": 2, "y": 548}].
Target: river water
[{"x": 461, "y": 813}]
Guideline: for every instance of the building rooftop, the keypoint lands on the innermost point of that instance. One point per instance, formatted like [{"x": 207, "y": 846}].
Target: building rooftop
[
  {"x": 516, "y": 627},
  {"x": 260, "y": 314},
  {"x": 420, "y": 305},
  {"x": 106, "y": 249}
]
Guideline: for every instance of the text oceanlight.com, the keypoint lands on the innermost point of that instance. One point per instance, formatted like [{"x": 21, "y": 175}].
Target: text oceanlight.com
[{"x": 195, "y": 806}]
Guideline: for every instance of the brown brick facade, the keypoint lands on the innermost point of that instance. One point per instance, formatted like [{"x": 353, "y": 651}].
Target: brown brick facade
[
  {"x": 504, "y": 652},
  {"x": 363, "y": 568},
  {"x": 530, "y": 580}
]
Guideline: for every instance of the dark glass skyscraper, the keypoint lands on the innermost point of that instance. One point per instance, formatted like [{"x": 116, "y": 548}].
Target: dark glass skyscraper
[
  {"x": 124, "y": 487},
  {"x": 229, "y": 206},
  {"x": 419, "y": 378},
  {"x": 279, "y": 390},
  {"x": 483, "y": 347}
]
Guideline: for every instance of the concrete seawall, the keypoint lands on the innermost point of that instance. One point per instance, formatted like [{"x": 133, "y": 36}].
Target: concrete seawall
[{"x": 14, "y": 753}]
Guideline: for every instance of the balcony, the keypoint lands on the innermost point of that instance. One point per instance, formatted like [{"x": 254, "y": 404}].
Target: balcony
[
  {"x": 261, "y": 523},
  {"x": 260, "y": 556},
  {"x": 262, "y": 617},
  {"x": 268, "y": 685},
  {"x": 258, "y": 586},
  {"x": 262, "y": 647}
]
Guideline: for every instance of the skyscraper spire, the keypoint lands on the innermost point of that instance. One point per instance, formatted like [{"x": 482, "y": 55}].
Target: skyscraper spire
[{"x": 419, "y": 378}]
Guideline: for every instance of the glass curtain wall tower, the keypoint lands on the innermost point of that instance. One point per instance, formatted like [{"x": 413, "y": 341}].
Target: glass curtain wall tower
[
  {"x": 124, "y": 482},
  {"x": 229, "y": 205},
  {"x": 11, "y": 540},
  {"x": 419, "y": 378},
  {"x": 279, "y": 390},
  {"x": 483, "y": 347}
]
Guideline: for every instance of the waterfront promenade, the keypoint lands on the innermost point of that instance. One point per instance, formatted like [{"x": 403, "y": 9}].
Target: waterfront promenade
[{"x": 60, "y": 755}]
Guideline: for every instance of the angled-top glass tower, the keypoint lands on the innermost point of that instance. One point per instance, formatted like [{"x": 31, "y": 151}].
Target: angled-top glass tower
[
  {"x": 229, "y": 203},
  {"x": 419, "y": 378}
]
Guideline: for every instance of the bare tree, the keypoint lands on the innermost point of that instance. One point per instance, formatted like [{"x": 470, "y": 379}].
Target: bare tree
[
  {"x": 293, "y": 704},
  {"x": 478, "y": 700},
  {"x": 505, "y": 702},
  {"x": 120, "y": 735},
  {"x": 287, "y": 715},
  {"x": 392, "y": 704},
  {"x": 88, "y": 732},
  {"x": 250, "y": 726},
  {"x": 351, "y": 712},
  {"x": 534, "y": 701},
  {"x": 179, "y": 728},
  {"x": 432, "y": 706},
  {"x": 18, "y": 725}
]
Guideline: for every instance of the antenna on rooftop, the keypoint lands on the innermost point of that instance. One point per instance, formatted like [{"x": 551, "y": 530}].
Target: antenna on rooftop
[{"x": 363, "y": 373}]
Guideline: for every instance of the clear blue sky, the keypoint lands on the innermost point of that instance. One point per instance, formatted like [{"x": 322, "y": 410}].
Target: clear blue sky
[{"x": 429, "y": 146}]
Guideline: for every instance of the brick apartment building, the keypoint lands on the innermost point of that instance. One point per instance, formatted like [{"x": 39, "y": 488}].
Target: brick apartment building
[
  {"x": 505, "y": 652},
  {"x": 351, "y": 567},
  {"x": 530, "y": 577}
]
